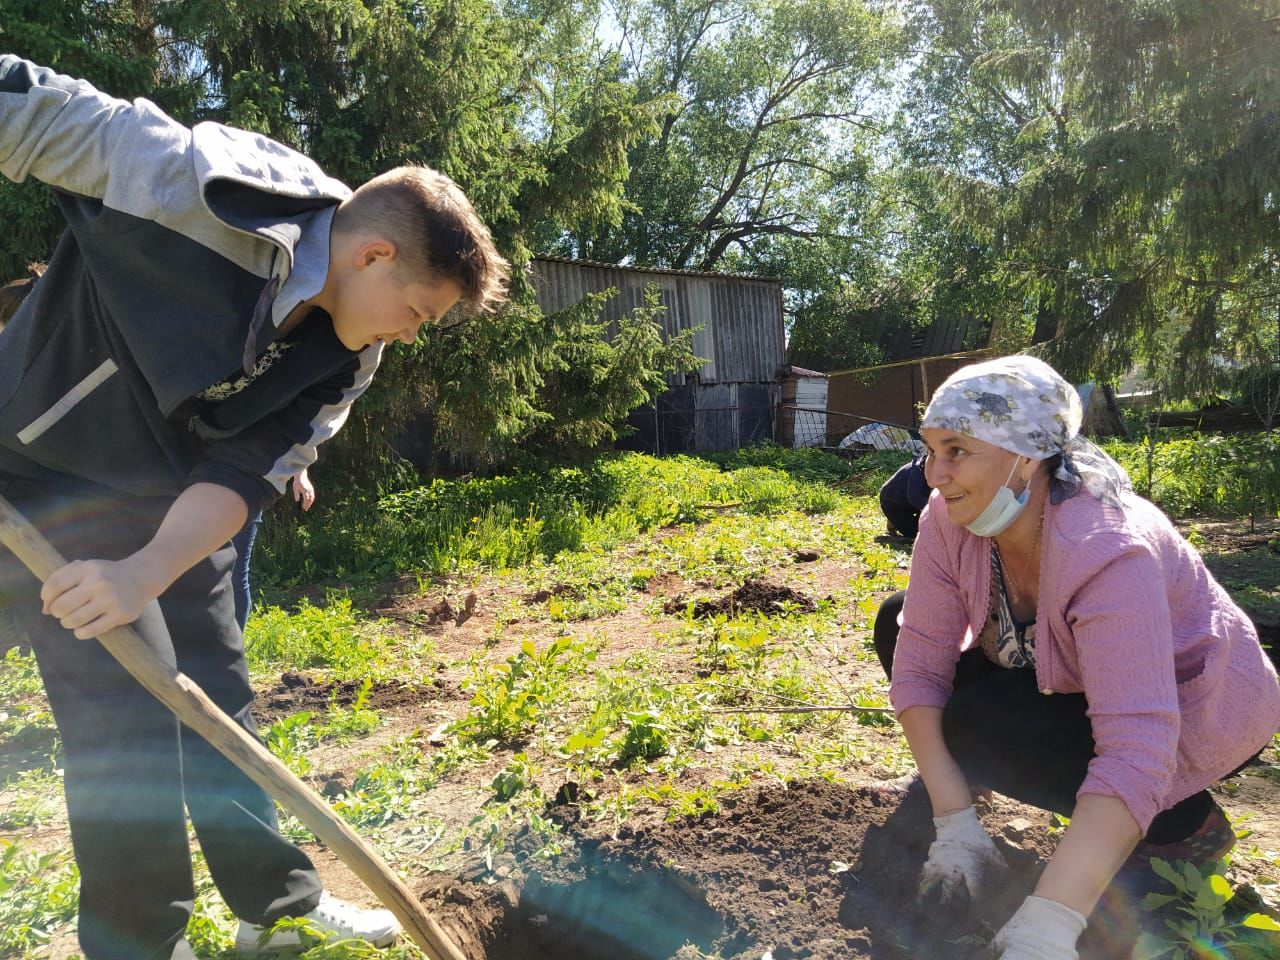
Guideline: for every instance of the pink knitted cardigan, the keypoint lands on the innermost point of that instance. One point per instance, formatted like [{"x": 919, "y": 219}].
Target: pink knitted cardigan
[{"x": 1180, "y": 692}]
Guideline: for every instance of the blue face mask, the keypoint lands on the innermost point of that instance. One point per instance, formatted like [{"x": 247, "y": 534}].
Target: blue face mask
[{"x": 1001, "y": 511}]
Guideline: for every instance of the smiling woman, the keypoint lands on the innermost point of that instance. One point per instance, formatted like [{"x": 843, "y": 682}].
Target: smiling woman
[{"x": 1022, "y": 587}]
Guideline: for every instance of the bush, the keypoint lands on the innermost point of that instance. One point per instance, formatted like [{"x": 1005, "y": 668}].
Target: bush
[{"x": 1206, "y": 474}]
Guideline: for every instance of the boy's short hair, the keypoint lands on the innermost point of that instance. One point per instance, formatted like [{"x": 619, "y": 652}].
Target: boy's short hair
[{"x": 436, "y": 231}]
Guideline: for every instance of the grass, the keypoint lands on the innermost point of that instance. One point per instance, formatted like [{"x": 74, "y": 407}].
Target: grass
[{"x": 667, "y": 727}]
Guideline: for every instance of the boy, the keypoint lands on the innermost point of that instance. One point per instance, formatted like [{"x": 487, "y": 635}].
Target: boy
[{"x": 212, "y": 310}]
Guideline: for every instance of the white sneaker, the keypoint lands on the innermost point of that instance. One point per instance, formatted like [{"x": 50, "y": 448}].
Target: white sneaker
[{"x": 336, "y": 919}]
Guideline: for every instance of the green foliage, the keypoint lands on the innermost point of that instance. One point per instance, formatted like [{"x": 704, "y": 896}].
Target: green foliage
[
  {"x": 761, "y": 136},
  {"x": 533, "y": 514},
  {"x": 26, "y": 723},
  {"x": 1112, "y": 162},
  {"x": 289, "y": 738},
  {"x": 648, "y": 735},
  {"x": 37, "y": 796},
  {"x": 513, "y": 779},
  {"x": 536, "y": 133},
  {"x": 379, "y": 795},
  {"x": 1197, "y": 918},
  {"x": 38, "y": 893},
  {"x": 330, "y": 636},
  {"x": 596, "y": 379},
  {"x": 1237, "y": 474},
  {"x": 507, "y": 699}
]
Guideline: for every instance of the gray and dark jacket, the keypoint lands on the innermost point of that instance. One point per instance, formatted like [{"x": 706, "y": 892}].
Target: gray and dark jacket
[{"x": 185, "y": 250}]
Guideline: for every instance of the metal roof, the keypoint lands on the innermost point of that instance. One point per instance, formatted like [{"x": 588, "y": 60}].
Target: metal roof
[
  {"x": 741, "y": 335},
  {"x": 668, "y": 270}
]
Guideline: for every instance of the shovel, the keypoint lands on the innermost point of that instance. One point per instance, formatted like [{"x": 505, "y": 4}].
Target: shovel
[{"x": 194, "y": 708}]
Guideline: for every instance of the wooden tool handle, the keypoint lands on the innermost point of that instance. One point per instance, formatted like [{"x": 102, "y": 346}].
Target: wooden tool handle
[{"x": 194, "y": 708}]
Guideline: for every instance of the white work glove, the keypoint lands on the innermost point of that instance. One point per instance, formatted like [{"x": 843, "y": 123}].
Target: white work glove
[
  {"x": 1040, "y": 930},
  {"x": 960, "y": 860}
]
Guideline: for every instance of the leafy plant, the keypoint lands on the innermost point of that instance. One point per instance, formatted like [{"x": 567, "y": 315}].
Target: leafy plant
[
  {"x": 289, "y": 738},
  {"x": 1201, "y": 921},
  {"x": 330, "y": 636},
  {"x": 648, "y": 736},
  {"x": 507, "y": 699},
  {"x": 344, "y": 724},
  {"x": 38, "y": 893}
]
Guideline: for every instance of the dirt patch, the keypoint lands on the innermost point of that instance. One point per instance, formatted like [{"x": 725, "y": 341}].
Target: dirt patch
[
  {"x": 555, "y": 590},
  {"x": 814, "y": 870},
  {"x": 754, "y": 595},
  {"x": 297, "y": 691},
  {"x": 663, "y": 585},
  {"x": 595, "y": 907}
]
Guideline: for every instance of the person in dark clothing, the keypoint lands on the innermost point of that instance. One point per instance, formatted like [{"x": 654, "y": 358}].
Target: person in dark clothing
[
  {"x": 305, "y": 494},
  {"x": 903, "y": 496},
  {"x": 212, "y": 310}
]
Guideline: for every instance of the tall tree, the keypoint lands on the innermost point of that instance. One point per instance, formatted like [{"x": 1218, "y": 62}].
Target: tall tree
[
  {"x": 1121, "y": 162},
  {"x": 769, "y": 108},
  {"x": 363, "y": 86}
]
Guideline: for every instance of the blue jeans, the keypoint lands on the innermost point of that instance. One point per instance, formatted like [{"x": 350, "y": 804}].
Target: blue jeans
[{"x": 243, "y": 542}]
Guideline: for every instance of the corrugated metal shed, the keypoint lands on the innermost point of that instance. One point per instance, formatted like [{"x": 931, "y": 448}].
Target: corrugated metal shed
[{"x": 741, "y": 317}]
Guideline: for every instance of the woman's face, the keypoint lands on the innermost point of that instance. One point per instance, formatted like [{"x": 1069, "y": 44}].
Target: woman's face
[{"x": 968, "y": 472}]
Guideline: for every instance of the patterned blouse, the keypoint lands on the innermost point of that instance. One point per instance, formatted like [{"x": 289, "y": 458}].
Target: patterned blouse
[{"x": 1005, "y": 640}]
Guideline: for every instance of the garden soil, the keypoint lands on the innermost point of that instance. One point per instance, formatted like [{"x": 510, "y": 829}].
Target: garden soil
[{"x": 811, "y": 870}]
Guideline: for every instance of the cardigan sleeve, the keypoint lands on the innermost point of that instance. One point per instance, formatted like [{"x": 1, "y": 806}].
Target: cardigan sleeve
[
  {"x": 1121, "y": 624},
  {"x": 934, "y": 619}
]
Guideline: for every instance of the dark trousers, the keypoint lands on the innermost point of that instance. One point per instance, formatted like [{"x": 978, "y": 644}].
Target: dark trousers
[
  {"x": 131, "y": 771},
  {"x": 1005, "y": 734},
  {"x": 243, "y": 542}
]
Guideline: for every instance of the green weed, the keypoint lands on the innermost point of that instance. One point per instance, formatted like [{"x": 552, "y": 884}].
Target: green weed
[
  {"x": 330, "y": 636},
  {"x": 38, "y": 894},
  {"x": 27, "y": 730},
  {"x": 289, "y": 738},
  {"x": 1201, "y": 922},
  {"x": 508, "y": 699},
  {"x": 534, "y": 514},
  {"x": 37, "y": 796}
]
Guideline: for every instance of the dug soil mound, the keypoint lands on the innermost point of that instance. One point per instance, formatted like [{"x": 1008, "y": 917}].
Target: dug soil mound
[
  {"x": 813, "y": 870},
  {"x": 297, "y": 691},
  {"x": 754, "y": 595}
]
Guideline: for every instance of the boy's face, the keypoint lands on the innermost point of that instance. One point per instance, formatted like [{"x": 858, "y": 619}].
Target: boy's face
[{"x": 373, "y": 302}]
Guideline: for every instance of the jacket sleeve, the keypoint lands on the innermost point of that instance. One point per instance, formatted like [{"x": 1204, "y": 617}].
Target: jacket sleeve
[
  {"x": 934, "y": 620},
  {"x": 71, "y": 136},
  {"x": 1123, "y": 631},
  {"x": 130, "y": 156},
  {"x": 258, "y": 461}
]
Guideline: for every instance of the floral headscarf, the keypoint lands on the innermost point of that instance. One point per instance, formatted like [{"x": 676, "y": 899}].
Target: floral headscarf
[{"x": 1023, "y": 405}]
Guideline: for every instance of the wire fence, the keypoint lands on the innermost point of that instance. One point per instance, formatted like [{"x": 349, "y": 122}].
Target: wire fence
[{"x": 820, "y": 427}]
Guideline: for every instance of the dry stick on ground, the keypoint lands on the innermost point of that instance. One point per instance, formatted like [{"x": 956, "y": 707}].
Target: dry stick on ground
[
  {"x": 194, "y": 708},
  {"x": 811, "y": 708}
]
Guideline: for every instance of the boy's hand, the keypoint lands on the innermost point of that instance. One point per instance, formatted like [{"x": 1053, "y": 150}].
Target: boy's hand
[
  {"x": 304, "y": 492},
  {"x": 89, "y": 597}
]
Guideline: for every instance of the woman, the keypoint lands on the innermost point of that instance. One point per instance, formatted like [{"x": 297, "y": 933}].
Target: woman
[{"x": 1061, "y": 643}]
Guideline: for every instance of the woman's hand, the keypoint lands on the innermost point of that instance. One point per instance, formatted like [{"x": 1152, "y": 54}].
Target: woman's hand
[
  {"x": 961, "y": 860},
  {"x": 1040, "y": 930}
]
